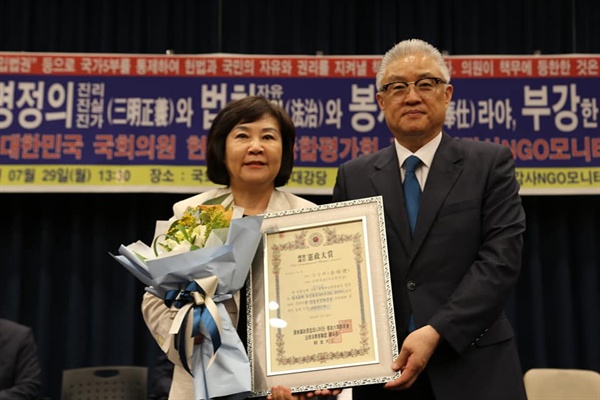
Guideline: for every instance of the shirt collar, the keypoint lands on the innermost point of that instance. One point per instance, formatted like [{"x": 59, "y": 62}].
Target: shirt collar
[{"x": 425, "y": 153}]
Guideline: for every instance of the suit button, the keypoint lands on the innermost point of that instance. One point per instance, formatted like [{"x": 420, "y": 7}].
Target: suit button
[{"x": 410, "y": 285}]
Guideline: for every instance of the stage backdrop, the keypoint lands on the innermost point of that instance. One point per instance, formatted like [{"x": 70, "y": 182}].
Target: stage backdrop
[{"x": 138, "y": 123}]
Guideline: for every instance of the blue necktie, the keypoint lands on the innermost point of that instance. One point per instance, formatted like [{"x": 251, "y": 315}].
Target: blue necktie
[
  {"x": 412, "y": 196},
  {"x": 412, "y": 190}
]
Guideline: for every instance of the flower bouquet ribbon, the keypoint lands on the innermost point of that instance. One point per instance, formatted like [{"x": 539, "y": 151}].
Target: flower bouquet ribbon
[
  {"x": 196, "y": 306},
  {"x": 194, "y": 283}
]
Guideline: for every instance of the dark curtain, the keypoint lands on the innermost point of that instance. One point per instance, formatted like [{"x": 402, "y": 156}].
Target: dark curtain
[
  {"x": 56, "y": 273},
  {"x": 460, "y": 27}
]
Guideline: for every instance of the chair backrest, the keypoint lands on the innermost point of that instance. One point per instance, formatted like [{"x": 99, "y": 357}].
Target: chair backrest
[
  {"x": 103, "y": 383},
  {"x": 562, "y": 384}
]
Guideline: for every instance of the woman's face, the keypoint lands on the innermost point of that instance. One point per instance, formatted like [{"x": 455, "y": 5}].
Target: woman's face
[{"x": 253, "y": 153}]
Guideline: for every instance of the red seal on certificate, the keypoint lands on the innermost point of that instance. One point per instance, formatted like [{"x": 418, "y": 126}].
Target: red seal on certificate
[{"x": 316, "y": 239}]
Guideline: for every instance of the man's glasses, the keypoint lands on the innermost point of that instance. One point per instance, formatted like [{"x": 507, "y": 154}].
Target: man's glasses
[{"x": 425, "y": 87}]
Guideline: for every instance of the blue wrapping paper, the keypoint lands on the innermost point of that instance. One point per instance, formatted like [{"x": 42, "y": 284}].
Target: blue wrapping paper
[{"x": 218, "y": 370}]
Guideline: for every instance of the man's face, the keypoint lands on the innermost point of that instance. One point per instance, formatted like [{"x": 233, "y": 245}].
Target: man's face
[{"x": 414, "y": 115}]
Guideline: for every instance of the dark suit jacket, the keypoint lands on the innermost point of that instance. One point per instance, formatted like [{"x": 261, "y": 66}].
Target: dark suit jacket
[
  {"x": 19, "y": 364},
  {"x": 462, "y": 264}
]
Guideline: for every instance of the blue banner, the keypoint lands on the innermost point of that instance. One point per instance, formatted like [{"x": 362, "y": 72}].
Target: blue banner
[{"x": 138, "y": 123}]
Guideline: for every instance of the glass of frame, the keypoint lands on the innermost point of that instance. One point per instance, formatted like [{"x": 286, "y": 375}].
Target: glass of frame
[{"x": 319, "y": 299}]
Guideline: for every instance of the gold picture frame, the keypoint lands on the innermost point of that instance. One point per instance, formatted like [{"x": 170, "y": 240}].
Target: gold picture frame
[{"x": 321, "y": 275}]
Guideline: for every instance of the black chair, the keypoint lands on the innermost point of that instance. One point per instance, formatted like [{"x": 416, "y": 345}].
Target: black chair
[{"x": 105, "y": 383}]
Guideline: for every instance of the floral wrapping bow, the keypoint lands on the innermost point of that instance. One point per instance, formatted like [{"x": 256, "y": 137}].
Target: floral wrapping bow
[
  {"x": 202, "y": 259},
  {"x": 201, "y": 226}
]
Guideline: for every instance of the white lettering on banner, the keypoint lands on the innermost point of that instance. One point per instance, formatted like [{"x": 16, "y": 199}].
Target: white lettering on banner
[
  {"x": 117, "y": 111},
  {"x": 554, "y": 67},
  {"x": 477, "y": 67},
  {"x": 460, "y": 113},
  {"x": 16, "y": 65},
  {"x": 306, "y": 113},
  {"x": 59, "y": 96},
  {"x": 31, "y": 104},
  {"x": 466, "y": 114},
  {"x": 89, "y": 107},
  {"x": 351, "y": 68},
  {"x": 570, "y": 114},
  {"x": 212, "y": 98},
  {"x": 310, "y": 113},
  {"x": 589, "y": 112},
  {"x": 161, "y": 112},
  {"x": 238, "y": 67},
  {"x": 185, "y": 111},
  {"x": 200, "y": 67},
  {"x": 58, "y": 64},
  {"x": 333, "y": 110},
  {"x": 276, "y": 67},
  {"x": 148, "y": 112},
  {"x": 274, "y": 92},
  {"x": 34, "y": 103},
  {"x": 516, "y": 67},
  {"x": 313, "y": 68},
  {"x": 156, "y": 66},
  {"x": 495, "y": 112},
  {"x": 565, "y": 109},
  {"x": 535, "y": 103},
  {"x": 145, "y": 108},
  {"x": 587, "y": 67},
  {"x": 241, "y": 90},
  {"x": 98, "y": 65},
  {"x": 7, "y": 103},
  {"x": 364, "y": 107},
  {"x": 65, "y": 108}
]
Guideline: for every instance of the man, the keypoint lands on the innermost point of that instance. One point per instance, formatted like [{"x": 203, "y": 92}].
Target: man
[
  {"x": 452, "y": 274},
  {"x": 20, "y": 372}
]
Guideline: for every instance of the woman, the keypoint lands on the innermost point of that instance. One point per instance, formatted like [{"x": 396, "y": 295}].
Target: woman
[{"x": 250, "y": 150}]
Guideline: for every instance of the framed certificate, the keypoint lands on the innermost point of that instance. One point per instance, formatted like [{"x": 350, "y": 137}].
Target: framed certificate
[{"x": 320, "y": 310}]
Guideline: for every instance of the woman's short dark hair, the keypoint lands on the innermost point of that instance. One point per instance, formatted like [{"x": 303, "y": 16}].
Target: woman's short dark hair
[{"x": 246, "y": 110}]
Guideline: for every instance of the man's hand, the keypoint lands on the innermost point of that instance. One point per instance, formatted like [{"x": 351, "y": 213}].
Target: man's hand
[
  {"x": 322, "y": 392},
  {"x": 284, "y": 393},
  {"x": 414, "y": 356}
]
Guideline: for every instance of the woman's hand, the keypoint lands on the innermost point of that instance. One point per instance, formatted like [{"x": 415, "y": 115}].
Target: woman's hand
[{"x": 280, "y": 393}]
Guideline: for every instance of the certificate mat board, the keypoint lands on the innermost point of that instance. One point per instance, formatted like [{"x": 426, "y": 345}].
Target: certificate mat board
[{"x": 320, "y": 309}]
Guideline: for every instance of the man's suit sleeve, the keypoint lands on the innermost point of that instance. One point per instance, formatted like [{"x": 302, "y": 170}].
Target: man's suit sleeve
[
  {"x": 27, "y": 380},
  {"x": 477, "y": 303},
  {"x": 339, "y": 191}
]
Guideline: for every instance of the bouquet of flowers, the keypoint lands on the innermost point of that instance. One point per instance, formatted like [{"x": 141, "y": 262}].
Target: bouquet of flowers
[
  {"x": 200, "y": 260},
  {"x": 194, "y": 229}
]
